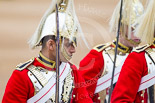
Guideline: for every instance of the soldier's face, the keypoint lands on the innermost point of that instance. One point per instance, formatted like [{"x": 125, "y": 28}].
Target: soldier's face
[
  {"x": 131, "y": 39},
  {"x": 67, "y": 50}
]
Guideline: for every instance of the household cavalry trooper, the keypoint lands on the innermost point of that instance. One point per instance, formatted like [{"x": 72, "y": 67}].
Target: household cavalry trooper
[
  {"x": 136, "y": 80},
  {"x": 96, "y": 67},
  {"x": 34, "y": 81}
]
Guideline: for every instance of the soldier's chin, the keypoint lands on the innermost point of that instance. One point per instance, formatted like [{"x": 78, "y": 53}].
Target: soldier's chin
[
  {"x": 65, "y": 59},
  {"x": 136, "y": 43}
]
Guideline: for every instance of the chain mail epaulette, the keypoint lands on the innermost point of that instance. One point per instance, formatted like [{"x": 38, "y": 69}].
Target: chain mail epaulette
[
  {"x": 24, "y": 65},
  {"x": 141, "y": 48},
  {"x": 101, "y": 47}
]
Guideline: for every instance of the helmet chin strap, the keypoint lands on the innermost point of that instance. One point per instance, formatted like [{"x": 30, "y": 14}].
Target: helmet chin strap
[
  {"x": 129, "y": 40},
  {"x": 132, "y": 41},
  {"x": 65, "y": 54},
  {"x": 123, "y": 33}
]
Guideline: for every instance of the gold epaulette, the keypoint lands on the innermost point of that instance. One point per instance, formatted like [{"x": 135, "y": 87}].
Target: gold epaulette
[
  {"x": 101, "y": 47},
  {"x": 22, "y": 66},
  {"x": 141, "y": 48}
]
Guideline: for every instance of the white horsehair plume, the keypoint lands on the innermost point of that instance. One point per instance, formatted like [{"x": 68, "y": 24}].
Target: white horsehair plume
[
  {"x": 35, "y": 37},
  {"x": 115, "y": 17},
  {"x": 131, "y": 10},
  {"x": 69, "y": 11},
  {"x": 126, "y": 11},
  {"x": 146, "y": 28}
]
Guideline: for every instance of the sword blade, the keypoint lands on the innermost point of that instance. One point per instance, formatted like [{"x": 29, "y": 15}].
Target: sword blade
[{"x": 57, "y": 57}]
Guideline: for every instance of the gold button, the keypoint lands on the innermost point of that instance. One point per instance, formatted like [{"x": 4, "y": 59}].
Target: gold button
[
  {"x": 99, "y": 98},
  {"x": 72, "y": 78},
  {"x": 73, "y": 86},
  {"x": 142, "y": 101},
  {"x": 120, "y": 53},
  {"x": 73, "y": 96},
  {"x": 142, "y": 95}
]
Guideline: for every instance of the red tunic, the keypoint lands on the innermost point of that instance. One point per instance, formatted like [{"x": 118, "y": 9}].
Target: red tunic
[
  {"x": 134, "y": 68},
  {"x": 20, "y": 88},
  {"x": 91, "y": 68}
]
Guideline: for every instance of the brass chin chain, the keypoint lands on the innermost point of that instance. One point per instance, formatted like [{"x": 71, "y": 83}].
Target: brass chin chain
[
  {"x": 65, "y": 54},
  {"x": 132, "y": 41},
  {"x": 129, "y": 40}
]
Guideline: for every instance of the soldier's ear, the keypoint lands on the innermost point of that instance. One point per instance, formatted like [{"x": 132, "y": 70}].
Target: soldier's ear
[{"x": 51, "y": 44}]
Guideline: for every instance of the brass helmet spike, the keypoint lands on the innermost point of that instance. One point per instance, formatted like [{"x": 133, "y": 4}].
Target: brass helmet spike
[
  {"x": 132, "y": 9},
  {"x": 63, "y": 5},
  {"x": 68, "y": 23}
]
